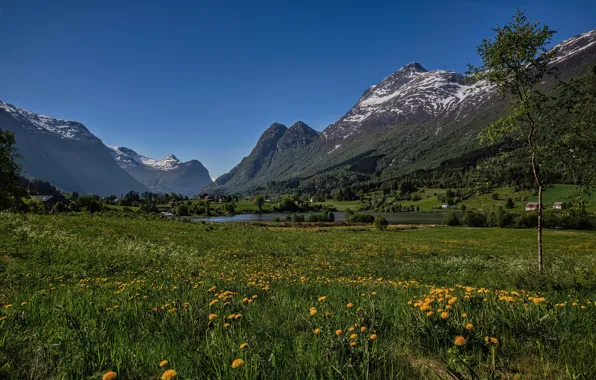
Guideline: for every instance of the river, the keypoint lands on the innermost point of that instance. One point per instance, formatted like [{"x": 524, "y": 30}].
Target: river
[{"x": 392, "y": 217}]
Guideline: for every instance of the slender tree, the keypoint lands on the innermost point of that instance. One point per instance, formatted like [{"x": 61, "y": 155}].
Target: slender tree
[
  {"x": 10, "y": 191},
  {"x": 516, "y": 60}
]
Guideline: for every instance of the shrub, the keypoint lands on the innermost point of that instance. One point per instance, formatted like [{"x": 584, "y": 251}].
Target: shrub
[
  {"x": 451, "y": 219},
  {"x": 60, "y": 208},
  {"x": 381, "y": 223},
  {"x": 361, "y": 218},
  {"x": 474, "y": 219},
  {"x": 509, "y": 204},
  {"x": 297, "y": 218},
  {"x": 182, "y": 210},
  {"x": 527, "y": 220}
]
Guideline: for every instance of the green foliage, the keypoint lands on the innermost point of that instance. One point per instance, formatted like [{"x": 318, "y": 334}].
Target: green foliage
[
  {"x": 94, "y": 286},
  {"x": 182, "y": 210},
  {"x": 451, "y": 220},
  {"x": 259, "y": 201},
  {"x": 360, "y": 218},
  {"x": 60, "y": 208},
  {"x": 381, "y": 223},
  {"x": 474, "y": 219},
  {"x": 10, "y": 191}
]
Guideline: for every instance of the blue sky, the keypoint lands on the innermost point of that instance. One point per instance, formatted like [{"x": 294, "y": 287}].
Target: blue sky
[{"x": 204, "y": 79}]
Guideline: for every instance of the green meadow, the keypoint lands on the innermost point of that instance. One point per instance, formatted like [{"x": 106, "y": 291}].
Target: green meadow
[{"x": 83, "y": 295}]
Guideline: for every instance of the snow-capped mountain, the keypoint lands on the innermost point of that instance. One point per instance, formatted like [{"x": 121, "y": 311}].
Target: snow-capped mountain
[
  {"x": 65, "y": 153},
  {"x": 127, "y": 157},
  {"x": 412, "y": 119},
  {"x": 166, "y": 175}
]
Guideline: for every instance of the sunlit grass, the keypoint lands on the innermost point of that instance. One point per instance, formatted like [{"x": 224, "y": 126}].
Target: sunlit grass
[{"x": 85, "y": 295}]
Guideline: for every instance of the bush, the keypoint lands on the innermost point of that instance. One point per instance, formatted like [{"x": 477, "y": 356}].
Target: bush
[
  {"x": 297, "y": 218},
  {"x": 498, "y": 218},
  {"x": 495, "y": 196},
  {"x": 277, "y": 219},
  {"x": 60, "y": 208},
  {"x": 361, "y": 218},
  {"x": 451, "y": 219},
  {"x": 182, "y": 210},
  {"x": 527, "y": 220},
  {"x": 509, "y": 204},
  {"x": 381, "y": 223},
  {"x": 288, "y": 218},
  {"x": 474, "y": 219}
]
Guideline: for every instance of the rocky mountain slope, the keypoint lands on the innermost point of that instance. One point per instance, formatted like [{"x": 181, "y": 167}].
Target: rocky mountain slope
[
  {"x": 65, "y": 153},
  {"x": 167, "y": 175},
  {"x": 413, "y": 119}
]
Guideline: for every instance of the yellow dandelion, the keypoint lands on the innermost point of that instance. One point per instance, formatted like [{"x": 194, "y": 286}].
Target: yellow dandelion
[
  {"x": 317, "y": 331},
  {"x": 163, "y": 363},
  {"x": 226, "y": 325},
  {"x": 353, "y": 336},
  {"x": 444, "y": 315},
  {"x": 322, "y": 298},
  {"x": 350, "y": 304},
  {"x": 313, "y": 312},
  {"x": 363, "y": 329},
  {"x": 8, "y": 306},
  {"x": 238, "y": 316},
  {"x": 469, "y": 326},
  {"x": 352, "y": 344},
  {"x": 212, "y": 316},
  {"x": 491, "y": 340},
  {"x": 373, "y": 293},
  {"x": 338, "y": 332},
  {"x": 452, "y": 300},
  {"x": 168, "y": 375},
  {"x": 110, "y": 375},
  {"x": 3, "y": 318},
  {"x": 372, "y": 337},
  {"x": 350, "y": 329},
  {"x": 237, "y": 363},
  {"x": 460, "y": 340},
  {"x": 213, "y": 302},
  {"x": 430, "y": 313},
  {"x": 244, "y": 345},
  {"x": 464, "y": 315}
]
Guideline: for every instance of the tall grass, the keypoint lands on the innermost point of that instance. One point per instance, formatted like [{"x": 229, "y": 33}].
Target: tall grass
[{"x": 84, "y": 295}]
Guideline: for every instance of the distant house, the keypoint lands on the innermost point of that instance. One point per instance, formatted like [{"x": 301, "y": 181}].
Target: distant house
[
  {"x": 49, "y": 200},
  {"x": 445, "y": 205},
  {"x": 167, "y": 214},
  {"x": 531, "y": 206},
  {"x": 558, "y": 206}
]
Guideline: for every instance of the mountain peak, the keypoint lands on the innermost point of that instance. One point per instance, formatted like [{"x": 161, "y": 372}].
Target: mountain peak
[{"x": 413, "y": 66}]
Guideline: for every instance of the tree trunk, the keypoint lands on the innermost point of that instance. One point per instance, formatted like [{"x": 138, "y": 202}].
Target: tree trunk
[{"x": 540, "y": 229}]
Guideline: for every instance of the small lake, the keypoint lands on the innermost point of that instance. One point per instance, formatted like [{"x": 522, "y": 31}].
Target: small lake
[{"x": 392, "y": 217}]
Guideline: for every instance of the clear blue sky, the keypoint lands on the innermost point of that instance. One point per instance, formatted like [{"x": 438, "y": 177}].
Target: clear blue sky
[{"x": 203, "y": 79}]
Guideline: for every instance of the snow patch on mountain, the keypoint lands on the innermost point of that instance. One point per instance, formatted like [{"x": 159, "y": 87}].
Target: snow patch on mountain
[
  {"x": 127, "y": 158},
  {"x": 575, "y": 45},
  {"x": 63, "y": 129}
]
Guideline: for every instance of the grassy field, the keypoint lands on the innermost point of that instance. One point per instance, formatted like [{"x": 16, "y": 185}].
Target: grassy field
[
  {"x": 482, "y": 202},
  {"x": 84, "y": 295}
]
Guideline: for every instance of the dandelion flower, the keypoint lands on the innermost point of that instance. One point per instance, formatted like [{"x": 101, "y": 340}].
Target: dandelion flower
[
  {"x": 469, "y": 326},
  {"x": 313, "y": 311},
  {"x": 237, "y": 363},
  {"x": 322, "y": 298},
  {"x": 430, "y": 313},
  {"x": 110, "y": 375},
  {"x": 3, "y": 318},
  {"x": 317, "y": 331},
  {"x": 350, "y": 329},
  {"x": 244, "y": 345},
  {"x": 491, "y": 340},
  {"x": 464, "y": 315},
  {"x": 168, "y": 375},
  {"x": 452, "y": 300},
  {"x": 212, "y": 316},
  {"x": 444, "y": 315},
  {"x": 373, "y": 337},
  {"x": 338, "y": 332},
  {"x": 226, "y": 325},
  {"x": 163, "y": 363},
  {"x": 353, "y": 336},
  {"x": 460, "y": 340},
  {"x": 350, "y": 304},
  {"x": 352, "y": 344}
]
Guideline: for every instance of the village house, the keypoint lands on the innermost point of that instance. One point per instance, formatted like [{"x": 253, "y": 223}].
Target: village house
[
  {"x": 558, "y": 206},
  {"x": 49, "y": 200},
  {"x": 445, "y": 205},
  {"x": 531, "y": 206}
]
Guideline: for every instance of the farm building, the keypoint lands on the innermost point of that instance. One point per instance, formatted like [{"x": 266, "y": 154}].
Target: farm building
[
  {"x": 49, "y": 200},
  {"x": 531, "y": 206},
  {"x": 558, "y": 206}
]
